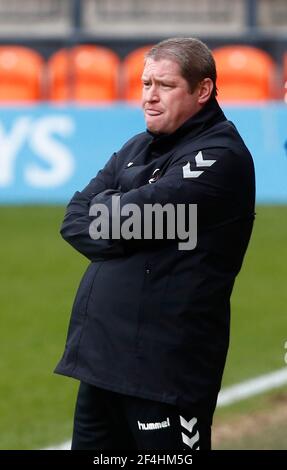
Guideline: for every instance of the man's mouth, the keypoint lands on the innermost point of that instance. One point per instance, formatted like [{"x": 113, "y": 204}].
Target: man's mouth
[{"x": 153, "y": 112}]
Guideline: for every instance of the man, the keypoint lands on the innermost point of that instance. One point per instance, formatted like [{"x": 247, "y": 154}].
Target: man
[{"x": 150, "y": 323}]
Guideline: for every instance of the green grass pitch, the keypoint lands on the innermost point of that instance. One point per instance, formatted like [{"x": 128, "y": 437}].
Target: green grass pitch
[{"x": 39, "y": 275}]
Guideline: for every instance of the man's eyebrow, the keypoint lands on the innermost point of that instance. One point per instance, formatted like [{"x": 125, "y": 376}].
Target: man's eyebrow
[{"x": 164, "y": 78}]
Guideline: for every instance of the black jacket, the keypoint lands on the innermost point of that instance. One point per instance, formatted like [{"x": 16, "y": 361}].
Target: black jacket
[{"x": 151, "y": 320}]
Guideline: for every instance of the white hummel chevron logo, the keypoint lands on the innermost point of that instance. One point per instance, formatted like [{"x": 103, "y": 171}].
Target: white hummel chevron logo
[
  {"x": 191, "y": 441},
  {"x": 200, "y": 162},
  {"x": 188, "y": 173},
  {"x": 189, "y": 426}
]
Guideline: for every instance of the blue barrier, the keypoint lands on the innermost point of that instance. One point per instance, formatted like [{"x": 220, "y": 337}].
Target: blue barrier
[{"x": 49, "y": 152}]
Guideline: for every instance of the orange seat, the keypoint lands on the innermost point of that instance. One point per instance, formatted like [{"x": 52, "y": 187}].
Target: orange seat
[
  {"x": 21, "y": 71},
  {"x": 132, "y": 69},
  {"x": 83, "y": 73},
  {"x": 244, "y": 73}
]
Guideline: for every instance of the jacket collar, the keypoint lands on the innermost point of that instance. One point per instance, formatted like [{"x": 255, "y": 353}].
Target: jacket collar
[{"x": 207, "y": 117}]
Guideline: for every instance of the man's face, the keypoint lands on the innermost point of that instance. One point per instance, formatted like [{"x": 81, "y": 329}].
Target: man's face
[{"x": 166, "y": 99}]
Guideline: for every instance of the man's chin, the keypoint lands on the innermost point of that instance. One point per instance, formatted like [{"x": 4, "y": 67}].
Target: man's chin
[
  {"x": 154, "y": 131},
  {"x": 152, "y": 127}
]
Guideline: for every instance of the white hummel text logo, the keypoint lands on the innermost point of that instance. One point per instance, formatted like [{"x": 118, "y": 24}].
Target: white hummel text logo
[
  {"x": 188, "y": 173},
  {"x": 149, "y": 426}
]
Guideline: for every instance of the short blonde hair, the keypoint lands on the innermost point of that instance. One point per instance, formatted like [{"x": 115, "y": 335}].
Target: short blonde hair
[{"x": 192, "y": 55}]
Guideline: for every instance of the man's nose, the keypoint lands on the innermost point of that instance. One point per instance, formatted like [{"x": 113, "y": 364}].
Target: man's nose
[{"x": 151, "y": 94}]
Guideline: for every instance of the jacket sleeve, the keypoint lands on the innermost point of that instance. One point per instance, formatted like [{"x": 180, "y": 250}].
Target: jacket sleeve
[
  {"x": 75, "y": 227},
  {"x": 211, "y": 180},
  {"x": 216, "y": 181}
]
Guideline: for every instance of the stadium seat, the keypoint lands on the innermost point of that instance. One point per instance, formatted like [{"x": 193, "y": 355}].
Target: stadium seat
[
  {"x": 21, "y": 71},
  {"x": 85, "y": 73},
  {"x": 132, "y": 69},
  {"x": 244, "y": 74}
]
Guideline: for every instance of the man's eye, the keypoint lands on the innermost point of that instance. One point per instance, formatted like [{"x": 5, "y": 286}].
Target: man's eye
[
  {"x": 166, "y": 85},
  {"x": 146, "y": 84}
]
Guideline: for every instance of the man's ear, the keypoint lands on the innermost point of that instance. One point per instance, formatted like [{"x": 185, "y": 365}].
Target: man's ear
[{"x": 205, "y": 89}]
